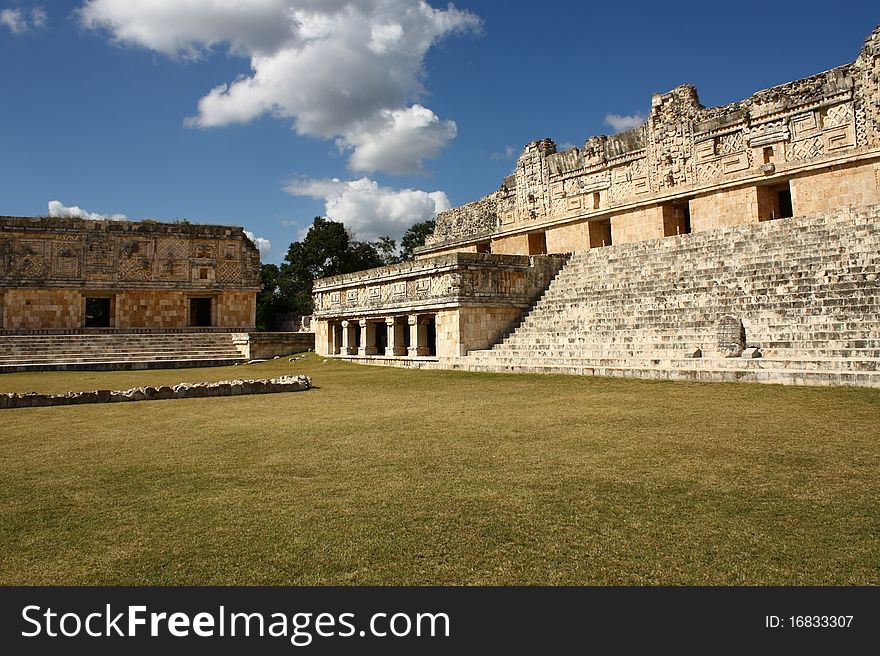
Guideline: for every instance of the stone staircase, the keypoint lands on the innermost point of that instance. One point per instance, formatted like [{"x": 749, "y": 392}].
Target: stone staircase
[
  {"x": 807, "y": 290},
  {"x": 116, "y": 351}
]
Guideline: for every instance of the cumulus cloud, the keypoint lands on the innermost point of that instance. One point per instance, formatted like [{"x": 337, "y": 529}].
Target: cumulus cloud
[
  {"x": 621, "y": 123},
  {"x": 369, "y": 209},
  {"x": 262, "y": 244},
  {"x": 20, "y": 20},
  {"x": 349, "y": 70},
  {"x": 58, "y": 210},
  {"x": 400, "y": 141}
]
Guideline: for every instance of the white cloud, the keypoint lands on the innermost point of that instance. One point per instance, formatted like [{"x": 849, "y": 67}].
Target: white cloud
[
  {"x": 58, "y": 210},
  {"x": 621, "y": 123},
  {"x": 368, "y": 209},
  {"x": 39, "y": 17},
  {"x": 508, "y": 153},
  {"x": 20, "y": 21},
  {"x": 349, "y": 70},
  {"x": 262, "y": 244},
  {"x": 399, "y": 142},
  {"x": 15, "y": 20}
]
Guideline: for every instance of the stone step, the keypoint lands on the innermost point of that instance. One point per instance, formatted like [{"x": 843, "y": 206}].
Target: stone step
[
  {"x": 41, "y": 352},
  {"x": 642, "y": 360},
  {"x": 100, "y": 357},
  {"x": 115, "y": 365},
  {"x": 807, "y": 289},
  {"x": 779, "y": 376}
]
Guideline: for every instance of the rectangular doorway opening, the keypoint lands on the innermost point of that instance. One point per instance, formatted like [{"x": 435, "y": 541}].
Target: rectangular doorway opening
[
  {"x": 783, "y": 199},
  {"x": 200, "y": 312},
  {"x": 98, "y": 312},
  {"x": 599, "y": 233},
  {"x": 431, "y": 335},
  {"x": 381, "y": 337},
  {"x": 774, "y": 202},
  {"x": 538, "y": 243},
  {"x": 677, "y": 218}
]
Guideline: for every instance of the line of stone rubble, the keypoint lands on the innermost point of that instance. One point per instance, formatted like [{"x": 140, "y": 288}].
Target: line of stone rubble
[{"x": 299, "y": 383}]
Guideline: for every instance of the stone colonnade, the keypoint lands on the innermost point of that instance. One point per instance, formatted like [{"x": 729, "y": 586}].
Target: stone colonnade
[{"x": 412, "y": 335}]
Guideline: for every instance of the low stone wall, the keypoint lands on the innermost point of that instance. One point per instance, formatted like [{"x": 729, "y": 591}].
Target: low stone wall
[
  {"x": 182, "y": 391},
  {"x": 268, "y": 345}
]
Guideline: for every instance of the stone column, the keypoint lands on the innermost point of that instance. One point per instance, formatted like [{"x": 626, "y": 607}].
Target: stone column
[
  {"x": 396, "y": 330},
  {"x": 368, "y": 338},
  {"x": 348, "y": 347},
  {"x": 418, "y": 336}
]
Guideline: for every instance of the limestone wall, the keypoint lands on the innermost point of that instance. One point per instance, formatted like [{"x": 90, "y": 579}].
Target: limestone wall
[
  {"x": 446, "y": 280},
  {"x": 268, "y": 345},
  {"x": 724, "y": 207},
  {"x": 45, "y": 252},
  {"x": 568, "y": 238},
  {"x": 136, "y": 309},
  {"x": 637, "y": 225},
  {"x": 684, "y": 151},
  {"x": 30, "y": 309},
  {"x": 477, "y": 218},
  {"x": 513, "y": 245},
  {"x": 149, "y": 270},
  {"x": 465, "y": 329},
  {"x": 838, "y": 186},
  {"x": 469, "y": 299},
  {"x": 236, "y": 308}
]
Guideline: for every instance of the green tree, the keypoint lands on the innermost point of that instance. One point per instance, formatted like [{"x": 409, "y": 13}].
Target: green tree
[
  {"x": 387, "y": 249},
  {"x": 414, "y": 237},
  {"x": 272, "y": 302},
  {"x": 328, "y": 249}
]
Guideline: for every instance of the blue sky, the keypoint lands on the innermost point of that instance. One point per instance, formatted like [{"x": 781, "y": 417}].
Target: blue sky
[{"x": 374, "y": 112}]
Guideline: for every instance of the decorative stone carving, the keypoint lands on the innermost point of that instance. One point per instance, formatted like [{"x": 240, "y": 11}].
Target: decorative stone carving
[
  {"x": 681, "y": 145},
  {"x": 731, "y": 337}
]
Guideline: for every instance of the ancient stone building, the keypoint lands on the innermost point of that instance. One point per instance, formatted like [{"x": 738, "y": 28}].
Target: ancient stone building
[
  {"x": 756, "y": 220},
  {"x": 68, "y": 275}
]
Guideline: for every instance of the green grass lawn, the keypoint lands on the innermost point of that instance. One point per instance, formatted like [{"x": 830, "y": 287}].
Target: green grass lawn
[{"x": 388, "y": 476}]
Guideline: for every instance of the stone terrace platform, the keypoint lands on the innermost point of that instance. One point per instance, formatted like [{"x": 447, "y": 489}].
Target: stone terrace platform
[
  {"x": 806, "y": 291},
  {"x": 117, "y": 351}
]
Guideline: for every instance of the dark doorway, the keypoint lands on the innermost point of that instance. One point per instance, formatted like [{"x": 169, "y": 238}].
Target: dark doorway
[
  {"x": 431, "y": 330},
  {"x": 381, "y": 337},
  {"x": 677, "y": 218},
  {"x": 683, "y": 217},
  {"x": 98, "y": 312},
  {"x": 599, "y": 233},
  {"x": 200, "y": 312},
  {"x": 775, "y": 202},
  {"x": 783, "y": 198}
]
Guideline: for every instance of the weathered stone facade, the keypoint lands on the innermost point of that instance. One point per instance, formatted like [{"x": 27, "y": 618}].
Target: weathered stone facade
[
  {"x": 728, "y": 243},
  {"x": 74, "y": 274},
  {"x": 790, "y": 301},
  {"x": 436, "y": 307},
  {"x": 813, "y": 143}
]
